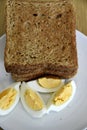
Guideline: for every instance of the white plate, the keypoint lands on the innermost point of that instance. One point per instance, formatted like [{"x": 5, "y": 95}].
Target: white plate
[{"x": 74, "y": 117}]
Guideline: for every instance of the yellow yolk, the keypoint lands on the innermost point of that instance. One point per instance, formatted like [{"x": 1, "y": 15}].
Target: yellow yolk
[
  {"x": 63, "y": 94},
  {"x": 49, "y": 82},
  {"x": 33, "y": 100},
  {"x": 7, "y": 98}
]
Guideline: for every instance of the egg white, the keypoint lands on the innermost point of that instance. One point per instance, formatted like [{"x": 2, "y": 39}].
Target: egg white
[
  {"x": 33, "y": 113},
  {"x": 52, "y": 107},
  {"x": 35, "y": 85},
  {"x": 7, "y": 111}
]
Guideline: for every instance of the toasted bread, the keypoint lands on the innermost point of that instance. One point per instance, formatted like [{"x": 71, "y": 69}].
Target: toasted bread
[{"x": 41, "y": 34}]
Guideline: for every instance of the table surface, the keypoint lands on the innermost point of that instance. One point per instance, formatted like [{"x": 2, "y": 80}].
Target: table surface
[{"x": 81, "y": 13}]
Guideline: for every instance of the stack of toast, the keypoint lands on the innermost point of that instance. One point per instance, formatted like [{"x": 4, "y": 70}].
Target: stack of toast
[{"x": 40, "y": 39}]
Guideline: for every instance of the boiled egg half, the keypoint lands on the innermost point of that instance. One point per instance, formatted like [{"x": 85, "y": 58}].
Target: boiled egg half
[
  {"x": 46, "y": 84},
  {"x": 9, "y": 98},
  {"x": 62, "y": 97},
  {"x": 32, "y": 101}
]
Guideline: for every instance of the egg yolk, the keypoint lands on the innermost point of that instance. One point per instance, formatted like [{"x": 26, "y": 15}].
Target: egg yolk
[
  {"x": 63, "y": 94},
  {"x": 7, "y": 98},
  {"x": 47, "y": 82},
  {"x": 33, "y": 100}
]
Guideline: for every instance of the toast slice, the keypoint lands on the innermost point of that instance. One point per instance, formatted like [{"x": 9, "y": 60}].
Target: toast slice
[{"x": 41, "y": 34}]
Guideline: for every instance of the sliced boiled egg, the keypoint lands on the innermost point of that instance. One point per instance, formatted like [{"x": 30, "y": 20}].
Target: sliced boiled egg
[
  {"x": 9, "y": 98},
  {"x": 62, "y": 97},
  {"x": 46, "y": 84},
  {"x": 32, "y": 101}
]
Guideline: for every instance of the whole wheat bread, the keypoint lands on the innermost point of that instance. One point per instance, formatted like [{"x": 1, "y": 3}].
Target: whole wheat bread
[{"x": 41, "y": 34}]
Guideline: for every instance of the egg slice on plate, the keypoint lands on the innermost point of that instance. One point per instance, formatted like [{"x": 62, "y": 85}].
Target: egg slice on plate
[
  {"x": 32, "y": 101},
  {"x": 62, "y": 97},
  {"x": 9, "y": 98},
  {"x": 46, "y": 84}
]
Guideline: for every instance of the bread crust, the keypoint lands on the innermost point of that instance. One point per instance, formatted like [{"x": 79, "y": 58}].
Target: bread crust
[{"x": 38, "y": 75}]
